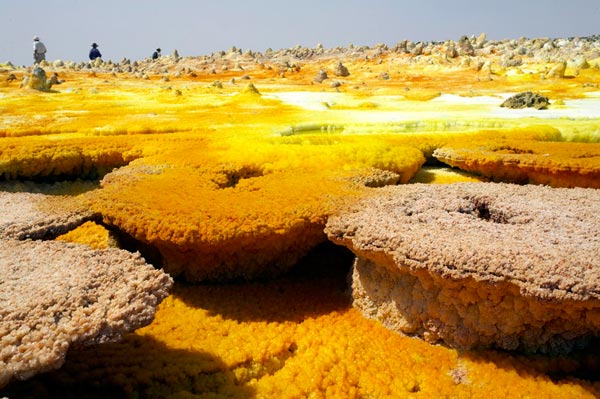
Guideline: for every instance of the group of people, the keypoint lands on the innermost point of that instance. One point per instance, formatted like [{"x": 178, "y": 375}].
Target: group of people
[{"x": 39, "y": 51}]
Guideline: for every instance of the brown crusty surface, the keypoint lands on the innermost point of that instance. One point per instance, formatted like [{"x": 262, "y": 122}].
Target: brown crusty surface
[
  {"x": 36, "y": 216},
  {"x": 544, "y": 240},
  {"x": 480, "y": 264},
  {"x": 54, "y": 295}
]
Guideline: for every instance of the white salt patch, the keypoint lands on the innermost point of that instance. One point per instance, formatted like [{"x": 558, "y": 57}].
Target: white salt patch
[
  {"x": 579, "y": 108},
  {"x": 453, "y": 99},
  {"x": 308, "y": 100}
]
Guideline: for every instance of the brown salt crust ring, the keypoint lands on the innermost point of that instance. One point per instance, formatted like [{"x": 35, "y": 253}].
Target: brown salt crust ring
[
  {"x": 544, "y": 240},
  {"x": 478, "y": 264}
]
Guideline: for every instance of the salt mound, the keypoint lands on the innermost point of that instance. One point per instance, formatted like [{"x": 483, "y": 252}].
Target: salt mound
[
  {"x": 556, "y": 164},
  {"x": 56, "y": 295},
  {"x": 478, "y": 264}
]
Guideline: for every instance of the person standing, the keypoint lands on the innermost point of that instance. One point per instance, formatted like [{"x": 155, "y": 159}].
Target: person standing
[
  {"x": 39, "y": 50},
  {"x": 94, "y": 52}
]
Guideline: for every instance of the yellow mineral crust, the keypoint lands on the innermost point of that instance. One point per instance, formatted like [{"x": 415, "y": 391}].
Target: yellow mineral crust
[
  {"x": 90, "y": 234},
  {"x": 557, "y": 164},
  {"x": 50, "y": 157},
  {"x": 244, "y": 219},
  {"x": 438, "y": 175},
  {"x": 478, "y": 264},
  {"x": 106, "y": 106}
]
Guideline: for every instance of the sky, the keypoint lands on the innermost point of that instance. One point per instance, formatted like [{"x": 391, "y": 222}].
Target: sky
[{"x": 135, "y": 28}]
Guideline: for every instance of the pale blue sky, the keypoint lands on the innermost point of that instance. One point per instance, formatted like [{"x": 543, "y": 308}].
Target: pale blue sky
[{"x": 134, "y": 28}]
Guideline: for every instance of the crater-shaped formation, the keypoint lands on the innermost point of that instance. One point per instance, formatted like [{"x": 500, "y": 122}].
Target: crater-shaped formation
[
  {"x": 478, "y": 264},
  {"x": 242, "y": 220}
]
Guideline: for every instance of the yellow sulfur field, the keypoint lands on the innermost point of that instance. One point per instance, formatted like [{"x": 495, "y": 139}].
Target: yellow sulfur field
[{"x": 226, "y": 178}]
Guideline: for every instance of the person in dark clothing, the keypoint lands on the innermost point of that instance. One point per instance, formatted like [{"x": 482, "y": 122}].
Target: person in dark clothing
[
  {"x": 156, "y": 54},
  {"x": 94, "y": 52}
]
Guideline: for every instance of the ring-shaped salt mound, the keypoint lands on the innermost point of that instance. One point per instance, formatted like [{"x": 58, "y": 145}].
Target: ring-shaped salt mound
[
  {"x": 557, "y": 164},
  {"x": 240, "y": 223},
  {"x": 478, "y": 264}
]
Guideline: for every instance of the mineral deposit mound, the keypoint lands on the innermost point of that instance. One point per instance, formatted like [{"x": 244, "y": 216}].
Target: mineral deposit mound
[
  {"x": 478, "y": 264},
  {"x": 57, "y": 295},
  {"x": 39, "y": 216}
]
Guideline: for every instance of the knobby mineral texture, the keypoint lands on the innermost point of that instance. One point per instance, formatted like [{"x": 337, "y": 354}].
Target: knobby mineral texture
[
  {"x": 554, "y": 164},
  {"x": 37, "y": 216},
  {"x": 55, "y": 295},
  {"x": 478, "y": 264}
]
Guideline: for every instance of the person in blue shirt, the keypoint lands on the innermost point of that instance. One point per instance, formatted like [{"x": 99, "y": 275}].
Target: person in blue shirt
[
  {"x": 156, "y": 54},
  {"x": 94, "y": 52}
]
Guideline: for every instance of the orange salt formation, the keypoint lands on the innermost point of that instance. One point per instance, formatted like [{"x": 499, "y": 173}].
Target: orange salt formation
[
  {"x": 257, "y": 214},
  {"x": 557, "y": 164}
]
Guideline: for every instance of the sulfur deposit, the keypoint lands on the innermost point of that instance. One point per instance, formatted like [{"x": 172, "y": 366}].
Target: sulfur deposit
[
  {"x": 256, "y": 215},
  {"x": 478, "y": 264},
  {"x": 56, "y": 295}
]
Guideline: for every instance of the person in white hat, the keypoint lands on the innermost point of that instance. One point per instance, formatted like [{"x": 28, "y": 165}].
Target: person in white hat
[{"x": 39, "y": 50}]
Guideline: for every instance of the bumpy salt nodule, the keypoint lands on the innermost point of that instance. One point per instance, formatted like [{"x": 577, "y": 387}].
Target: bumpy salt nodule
[{"x": 28, "y": 215}]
